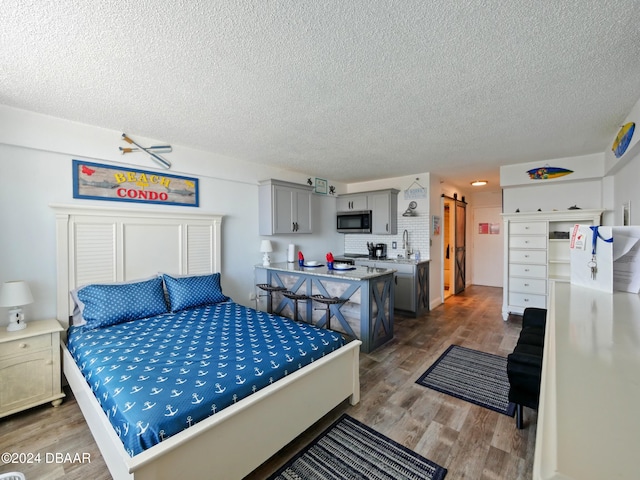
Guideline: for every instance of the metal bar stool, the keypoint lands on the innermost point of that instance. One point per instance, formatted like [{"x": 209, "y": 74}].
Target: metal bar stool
[
  {"x": 270, "y": 289},
  {"x": 295, "y": 297},
  {"x": 328, "y": 301}
]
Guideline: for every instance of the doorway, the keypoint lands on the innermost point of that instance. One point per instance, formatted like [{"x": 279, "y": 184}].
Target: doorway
[
  {"x": 487, "y": 243},
  {"x": 454, "y": 244}
]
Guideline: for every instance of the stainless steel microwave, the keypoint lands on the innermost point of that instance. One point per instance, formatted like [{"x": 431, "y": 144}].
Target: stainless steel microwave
[{"x": 354, "y": 221}]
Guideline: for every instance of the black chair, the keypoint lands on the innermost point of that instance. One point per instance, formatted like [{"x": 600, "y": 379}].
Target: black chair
[
  {"x": 327, "y": 302},
  {"x": 524, "y": 365},
  {"x": 270, "y": 289},
  {"x": 295, "y": 297}
]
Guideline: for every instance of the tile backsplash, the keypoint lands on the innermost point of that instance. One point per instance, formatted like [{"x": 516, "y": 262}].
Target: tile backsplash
[{"x": 418, "y": 228}]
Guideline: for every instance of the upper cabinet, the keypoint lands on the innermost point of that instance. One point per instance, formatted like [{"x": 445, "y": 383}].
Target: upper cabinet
[
  {"x": 384, "y": 211},
  {"x": 352, "y": 202},
  {"x": 284, "y": 207},
  {"x": 383, "y": 205}
]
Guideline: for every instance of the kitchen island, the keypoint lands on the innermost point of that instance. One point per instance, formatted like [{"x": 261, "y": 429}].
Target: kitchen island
[
  {"x": 367, "y": 313},
  {"x": 411, "y": 280}
]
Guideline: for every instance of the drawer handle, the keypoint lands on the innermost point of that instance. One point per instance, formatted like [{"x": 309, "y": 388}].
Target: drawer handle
[
  {"x": 526, "y": 284},
  {"x": 526, "y": 269},
  {"x": 526, "y": 256},
  {"x": 526, "y": 299},
  {"x": 22, "y": 345}
]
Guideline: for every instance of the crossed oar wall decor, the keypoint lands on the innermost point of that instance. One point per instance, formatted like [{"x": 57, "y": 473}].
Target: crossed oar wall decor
[{"x": 153, "y": 151}]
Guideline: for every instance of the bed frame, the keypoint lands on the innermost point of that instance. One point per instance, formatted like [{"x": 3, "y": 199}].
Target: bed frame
[{"x": 105, "y": 245}]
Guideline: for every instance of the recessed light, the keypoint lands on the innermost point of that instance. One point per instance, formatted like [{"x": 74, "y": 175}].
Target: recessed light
[{"x": 479, "y": 183}]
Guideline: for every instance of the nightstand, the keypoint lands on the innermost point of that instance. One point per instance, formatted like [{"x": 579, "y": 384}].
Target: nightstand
[{"x": 30, "y": 367}]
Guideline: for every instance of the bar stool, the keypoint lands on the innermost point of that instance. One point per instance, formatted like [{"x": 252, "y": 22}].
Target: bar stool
[
  {"x": 270, "y": 289},
  {"x": 328, "y": 301},
  {"x": 295, "y": 297}
]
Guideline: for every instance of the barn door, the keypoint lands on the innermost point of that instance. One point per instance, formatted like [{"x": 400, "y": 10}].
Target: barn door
[{"x": 460, "y": 246}]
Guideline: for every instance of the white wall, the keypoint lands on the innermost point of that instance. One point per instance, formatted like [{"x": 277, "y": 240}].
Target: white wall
[
  {"x": 624, "y": 174},
  {"x": 35, "y": 171},
  {"x": 582, "y": 188}
]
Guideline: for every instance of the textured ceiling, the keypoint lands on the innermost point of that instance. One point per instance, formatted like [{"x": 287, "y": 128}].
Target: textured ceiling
[{"x": 352, "y": 90}]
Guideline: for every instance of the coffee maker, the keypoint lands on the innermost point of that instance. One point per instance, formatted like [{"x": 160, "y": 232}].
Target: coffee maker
[{"x": 380, "y": 250}]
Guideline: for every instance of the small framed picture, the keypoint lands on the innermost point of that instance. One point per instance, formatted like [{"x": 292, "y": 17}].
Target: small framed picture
[
  {"x": 321, "y": 186},
  {"x": 626, "y": 213},
  {"x": 435, "y": 221}
]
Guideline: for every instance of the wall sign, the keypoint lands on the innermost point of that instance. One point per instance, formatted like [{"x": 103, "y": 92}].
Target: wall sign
[
  {"x": 415, "y": 190},
  {"x": 105, "y": 182}
]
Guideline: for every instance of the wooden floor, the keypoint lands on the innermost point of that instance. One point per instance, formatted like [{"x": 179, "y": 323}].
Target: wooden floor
[{"x": 470, "y": 441}]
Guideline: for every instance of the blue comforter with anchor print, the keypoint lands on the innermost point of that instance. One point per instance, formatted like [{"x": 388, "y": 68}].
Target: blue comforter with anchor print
[{"x": 155, "y": 377}]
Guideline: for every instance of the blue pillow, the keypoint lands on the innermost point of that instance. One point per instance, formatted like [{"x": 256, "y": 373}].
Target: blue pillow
[
  {"x": 106, "y": 305},
  {"x": 190, "y": 292}
]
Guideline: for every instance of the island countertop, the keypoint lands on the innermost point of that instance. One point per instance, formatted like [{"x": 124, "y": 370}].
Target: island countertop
[{"x": 356, "y": 273}]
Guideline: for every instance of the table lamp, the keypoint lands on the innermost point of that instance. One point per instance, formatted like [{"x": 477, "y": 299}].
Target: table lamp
[
  {"x": 266, "y": 248},
  {"x": 15, "y": 294}
]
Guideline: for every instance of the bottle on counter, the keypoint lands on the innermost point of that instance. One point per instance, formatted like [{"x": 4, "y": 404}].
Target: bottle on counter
[{"x": 417, "y": 255}]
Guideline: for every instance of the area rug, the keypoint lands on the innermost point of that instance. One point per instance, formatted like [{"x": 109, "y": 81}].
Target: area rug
[
  {"x": 349, "y": 449},
  {"x": 471, "y": 375}
]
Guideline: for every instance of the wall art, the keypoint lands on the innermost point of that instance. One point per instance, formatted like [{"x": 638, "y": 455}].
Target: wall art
[
  {"x": 547, "y": 172},
  {"x": 106, "y": 182}
]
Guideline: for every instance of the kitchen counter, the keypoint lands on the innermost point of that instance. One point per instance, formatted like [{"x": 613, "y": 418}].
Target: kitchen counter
[
  {"x": 401, "y": 261},
  {"x": 359, "y": 273},
  {"x": 366, "y": 314}
]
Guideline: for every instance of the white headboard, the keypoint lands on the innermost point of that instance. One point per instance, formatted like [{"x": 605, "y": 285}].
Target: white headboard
[{"x": 101, "y": 245}]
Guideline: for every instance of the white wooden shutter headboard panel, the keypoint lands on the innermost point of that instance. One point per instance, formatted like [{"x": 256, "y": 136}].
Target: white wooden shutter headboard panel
[{"x": 102, "y": 245}]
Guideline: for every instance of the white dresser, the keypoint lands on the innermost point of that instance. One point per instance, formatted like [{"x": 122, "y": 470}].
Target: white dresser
[{"x": 536, "y": 249}]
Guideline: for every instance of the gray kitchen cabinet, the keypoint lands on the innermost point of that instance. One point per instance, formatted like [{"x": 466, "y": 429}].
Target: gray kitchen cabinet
[
  {"x": 352, "y": 202},
  {"x": 411, "y": 283},
  {"x": 384, "y": 211},
  {"x": 284, "y": 207},
  {"x": 383, "y": 205}
]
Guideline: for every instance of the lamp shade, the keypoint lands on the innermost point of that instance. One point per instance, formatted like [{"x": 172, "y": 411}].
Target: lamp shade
[
  {"x": 15, "y": 294},
  {"x": 265, "y": 246}
]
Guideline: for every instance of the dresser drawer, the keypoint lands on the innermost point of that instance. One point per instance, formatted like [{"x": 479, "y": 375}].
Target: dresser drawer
[
  {"x": 528, "y": 285},
  {"x": 532, "y": 228},
  {"x": 528, "y": 256},
  {"x": 525, "y": 300},
  {"x": 524, "y": 270},
  {"x": 25, "y": 345},
  {"x": 526, "y": 241}
]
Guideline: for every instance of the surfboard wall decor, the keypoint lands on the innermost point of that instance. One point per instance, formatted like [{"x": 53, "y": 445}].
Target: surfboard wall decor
[
  {"x": 623, "y": 139},
  {"x": 547, "y": 172}
]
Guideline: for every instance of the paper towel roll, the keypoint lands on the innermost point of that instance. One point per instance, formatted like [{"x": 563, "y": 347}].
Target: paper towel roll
[{"x": 291, "y": 253}]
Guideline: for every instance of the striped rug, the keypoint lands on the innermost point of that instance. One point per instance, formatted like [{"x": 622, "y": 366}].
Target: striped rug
[
  {"x": 471, "y": 375},
  {"x": 349, "y": 449}
]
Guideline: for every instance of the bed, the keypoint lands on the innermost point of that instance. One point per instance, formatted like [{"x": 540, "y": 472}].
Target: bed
[{"x": 100, "y": 245}]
